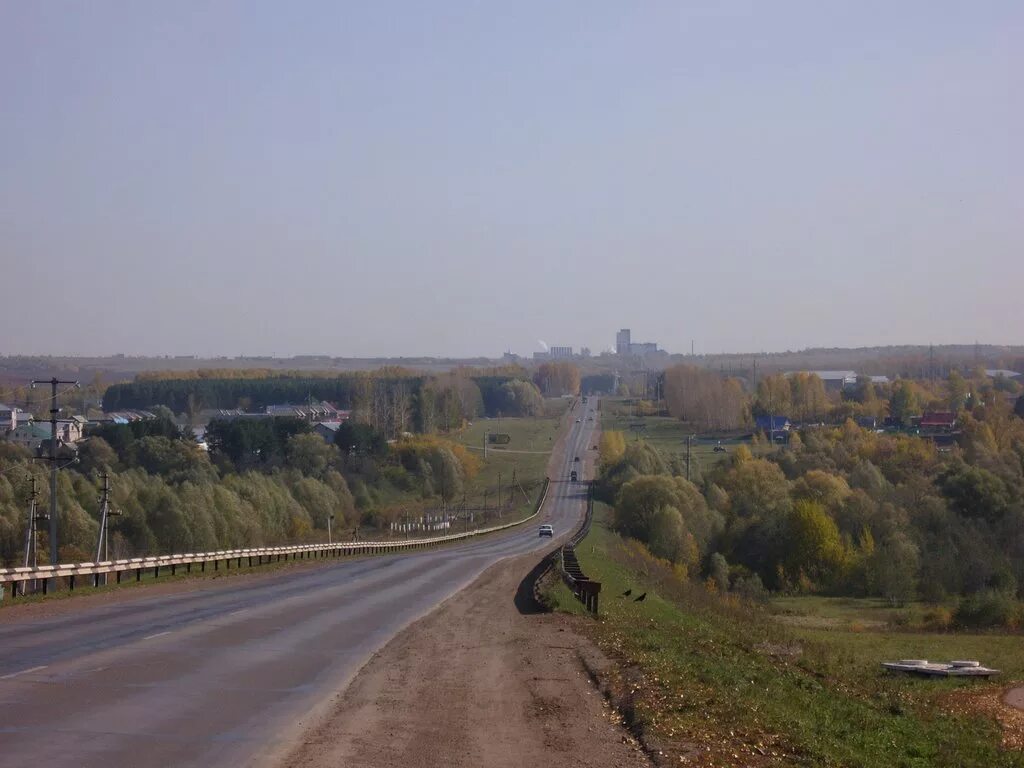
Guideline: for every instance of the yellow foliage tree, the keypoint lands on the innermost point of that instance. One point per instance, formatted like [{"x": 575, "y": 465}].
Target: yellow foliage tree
[{"x": 611, "y": 447}]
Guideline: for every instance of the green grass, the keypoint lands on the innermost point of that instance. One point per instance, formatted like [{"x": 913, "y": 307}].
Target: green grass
[
  {"x": 668, "y": 435},
  {"x": 535, "y": 436},
  {"x": 725, "y": 683},
  {"x": 846, "y": 613}
]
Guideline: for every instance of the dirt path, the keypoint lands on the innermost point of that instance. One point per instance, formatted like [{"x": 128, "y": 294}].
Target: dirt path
[{"x": 475, "y": 683}]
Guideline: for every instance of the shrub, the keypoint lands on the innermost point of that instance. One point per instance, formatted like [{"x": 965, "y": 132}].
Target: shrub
[
  {"x": 938, "y": 618},
  {"x": 989, "y": 609}
]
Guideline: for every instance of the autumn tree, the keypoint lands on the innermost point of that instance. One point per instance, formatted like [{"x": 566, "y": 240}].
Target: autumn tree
[
  {"x": 558, "y": 378},
  {"x": 704, "y": 398},
  {"x": 611, "y": 447}
]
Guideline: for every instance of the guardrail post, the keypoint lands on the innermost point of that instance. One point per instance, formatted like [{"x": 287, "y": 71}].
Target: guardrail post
[
  {"x": 71, "y": 581},
  {"x": 188, "y": 567},
  {"x": 138, "y": 574},
  {"x": 156, "y": 571},
  {"x": 174, "y": 569},
  {"x": 117, "y": 576}
]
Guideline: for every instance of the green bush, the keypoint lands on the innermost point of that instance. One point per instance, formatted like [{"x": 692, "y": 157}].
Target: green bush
[{"x": 989, "y": 609}]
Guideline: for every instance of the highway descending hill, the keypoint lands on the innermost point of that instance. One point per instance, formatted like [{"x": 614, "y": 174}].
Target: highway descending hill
[{"x": 220, "y": 675}]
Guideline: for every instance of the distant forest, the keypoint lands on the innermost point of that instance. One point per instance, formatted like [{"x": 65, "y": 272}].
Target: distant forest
[{"x": 392, "y": 401}]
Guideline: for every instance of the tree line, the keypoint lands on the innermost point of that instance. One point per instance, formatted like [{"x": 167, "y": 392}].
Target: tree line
[
  {"x": 263, "y": 481},
  {"x": 390, "y": 400},
  {"x": 717, "y": 403},
  {"x": 843, "y": 511}
]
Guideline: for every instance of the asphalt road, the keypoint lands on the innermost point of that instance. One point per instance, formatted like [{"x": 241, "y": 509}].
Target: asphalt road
[{"x": 222, "y": 675}]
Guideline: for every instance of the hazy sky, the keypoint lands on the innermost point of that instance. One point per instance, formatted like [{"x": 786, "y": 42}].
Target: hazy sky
[{"x": 448, "y": 178}]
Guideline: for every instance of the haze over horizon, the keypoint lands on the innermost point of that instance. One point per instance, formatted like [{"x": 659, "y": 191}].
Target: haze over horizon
[{"x": 455, "y": 180}]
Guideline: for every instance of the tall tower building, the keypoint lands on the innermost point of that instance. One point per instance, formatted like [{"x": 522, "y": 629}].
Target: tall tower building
[{"x": 622, "y": 342}]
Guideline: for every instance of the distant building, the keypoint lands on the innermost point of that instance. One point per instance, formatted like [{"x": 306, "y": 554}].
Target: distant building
[
  {"x": 834, "y": 381},
  {"x": 937, "y": 422},
  {"x": 541, "y": 355},
  {"x": 72, "y": 430},
  {"x": 622, "y": 342},
  {"x": 11, "y": 417},
  {"x": 624, "y": 345},
  {"x": 561, "y": 353},
  {"x": 30, "y": 436},
  {"x": 8, "y": 418},
  {"x": 327, "y": 429},
  {"x": 585, "y": 352},
  {"x": 322, "y": 411},
  {"x": 993, "y": 373},
  {"x": 643, "y": 348},
  {"x": 779, "y": 424},
  {"x": 125, "y": 417}
]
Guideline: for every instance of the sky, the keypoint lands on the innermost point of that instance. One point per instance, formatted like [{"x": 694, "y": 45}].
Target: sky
[{"x": 465, "y": 178}]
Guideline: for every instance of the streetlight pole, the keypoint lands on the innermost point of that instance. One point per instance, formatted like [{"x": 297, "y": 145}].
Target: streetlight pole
[{"x": 329, "y": 518}]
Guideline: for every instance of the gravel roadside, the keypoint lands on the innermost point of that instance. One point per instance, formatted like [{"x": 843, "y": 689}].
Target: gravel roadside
[{"x": 475, "y": 683}]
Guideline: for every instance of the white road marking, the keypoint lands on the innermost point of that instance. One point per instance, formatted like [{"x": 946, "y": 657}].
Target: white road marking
[
  {"x": 158, "y": 634},
  {"x": 23, "y": 672},
  {"x": 235, "y": 613}
]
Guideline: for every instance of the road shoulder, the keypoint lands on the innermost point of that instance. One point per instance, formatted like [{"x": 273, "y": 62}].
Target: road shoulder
[{"x": 474, "y": 683}]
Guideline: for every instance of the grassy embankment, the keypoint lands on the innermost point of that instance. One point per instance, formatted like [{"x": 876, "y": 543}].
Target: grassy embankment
[{"x": 710, "y": 681}]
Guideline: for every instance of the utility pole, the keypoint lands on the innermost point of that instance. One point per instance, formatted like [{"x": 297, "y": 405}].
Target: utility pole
[
  {"x": 329, "y": 518},
  {"x": 104, "y": 506},
  {"x": 103, "y": 541},
  {"x": 499, "y": 494},
  {"x": 32, "y": 533},
  {"x": 688, "y": 457},
  {"x": 54, "y": 412}
]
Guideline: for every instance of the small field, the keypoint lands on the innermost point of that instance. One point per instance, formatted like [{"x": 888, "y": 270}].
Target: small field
[
  {"x": 846, "y": 613},
  {"x": 668, "y": 435},
  {"x": 524, "y": 458},
  {"x": 712, "y": 681}
]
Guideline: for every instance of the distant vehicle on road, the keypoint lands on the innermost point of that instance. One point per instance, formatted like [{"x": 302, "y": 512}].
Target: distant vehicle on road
[
  {"x": 572, "y": 475},
  {"x": 720, "y": 448},
  {"x": 546, "y": 530},
  {"x": 577, "y": 421},
  {"x": 576, "y": 458}
]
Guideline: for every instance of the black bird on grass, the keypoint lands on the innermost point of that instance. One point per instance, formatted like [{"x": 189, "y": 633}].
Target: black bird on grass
[
  {"x": 641, "y": 598},
  {"x": 627, "y": 593}
]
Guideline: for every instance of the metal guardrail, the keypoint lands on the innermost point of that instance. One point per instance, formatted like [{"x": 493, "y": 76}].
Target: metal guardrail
[
  {"x": 20, "y": 575},
  {"x": 584, "y": 589}
]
